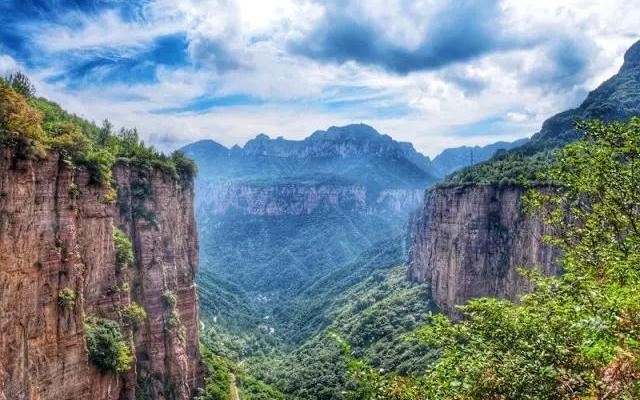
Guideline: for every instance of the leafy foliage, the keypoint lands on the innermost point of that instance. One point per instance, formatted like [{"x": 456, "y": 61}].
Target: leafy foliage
[
  {"x": 133, "y": 314},
  {"x": 506, "y": 168},
  {"x": 21, "y": 84},
  {"x": 574, "y": 336},
  {"x": 254, "y": 389},
  {"x": 107, "y": 347},
  {"x": 169, "y": 299},
  {"x": 124, "y": 248},
  {"x": 66, "y": 297},
  {"x": 184, "y": 166},
  {"x": 40, "y": 125},
  {"x": 18, "y": 119},
  {"x": 217, "y": 379},
  {"x": 374, "y": 314},
  {"x": 367, "y": 301},
  {"x": 221, "y": 352}
]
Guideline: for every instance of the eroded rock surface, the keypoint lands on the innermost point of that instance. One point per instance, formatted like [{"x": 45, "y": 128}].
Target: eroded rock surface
[
  {"x": 468, "y": 242},
  {"x": 56, "y": 231}
]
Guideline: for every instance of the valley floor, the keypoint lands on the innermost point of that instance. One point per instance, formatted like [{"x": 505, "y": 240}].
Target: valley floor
[{"x": 368, "y": 303}]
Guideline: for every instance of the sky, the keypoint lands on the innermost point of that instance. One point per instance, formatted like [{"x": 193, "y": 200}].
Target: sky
[{"x": 436, "y": 73}]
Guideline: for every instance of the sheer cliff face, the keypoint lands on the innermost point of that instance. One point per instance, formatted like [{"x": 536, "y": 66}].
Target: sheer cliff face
[
  {"x": 302, "y": 199},
  {"x": 56, "y": 231},
  {"x": 469, "y": 242}
]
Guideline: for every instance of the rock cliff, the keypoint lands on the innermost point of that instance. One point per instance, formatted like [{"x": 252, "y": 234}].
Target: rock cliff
[
  {"x": 56, "y": 232},
  {"x": 468, "y": 242},
  {"x": 296, "y": 199},
  {"x": 471, "y": 234}
]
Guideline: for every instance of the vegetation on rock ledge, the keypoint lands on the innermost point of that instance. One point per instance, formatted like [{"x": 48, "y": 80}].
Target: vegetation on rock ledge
[
  {"x": 107, "y": 347},
  {"x": 133, "y": 314},
  {"x": 124, "y": 249},
  {"x": 35, "y": 125},
  {"x": 66, "y": 297}
]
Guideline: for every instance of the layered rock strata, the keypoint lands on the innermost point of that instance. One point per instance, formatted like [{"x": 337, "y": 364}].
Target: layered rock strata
[
  {"x": 56, "y": 232},
  {"x": 469, "y": 242}
]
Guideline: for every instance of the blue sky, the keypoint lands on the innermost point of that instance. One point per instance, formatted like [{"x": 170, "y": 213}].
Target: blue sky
[{"x": 436, "y": 73}]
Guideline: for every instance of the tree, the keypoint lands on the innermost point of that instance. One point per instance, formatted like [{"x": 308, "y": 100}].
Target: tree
[
  {"x": 105, "y": 132},
  {"x": 17, "y": 116},
  {"x": 21, "y": 84},
  {"x": 574, "y": 336},
  {"x": 107, "y": 347}
]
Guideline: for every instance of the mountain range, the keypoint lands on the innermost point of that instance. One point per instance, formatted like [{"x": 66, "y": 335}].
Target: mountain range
[{"x": 275, "y": 214}]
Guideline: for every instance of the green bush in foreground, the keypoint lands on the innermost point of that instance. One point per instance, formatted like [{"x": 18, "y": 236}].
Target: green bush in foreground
[
  {"x": 107, "y": 347},
  {"x": 574, "y": 336}
]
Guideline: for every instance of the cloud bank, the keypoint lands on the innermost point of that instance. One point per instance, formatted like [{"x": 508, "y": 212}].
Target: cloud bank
[{"x": 437, "y": 73}]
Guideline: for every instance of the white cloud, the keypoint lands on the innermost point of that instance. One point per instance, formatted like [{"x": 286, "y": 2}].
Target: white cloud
[
  {"x": 299, "y": 93},
  {"x": 8, "y": 65},
  {"x": 105, "y": 30}
]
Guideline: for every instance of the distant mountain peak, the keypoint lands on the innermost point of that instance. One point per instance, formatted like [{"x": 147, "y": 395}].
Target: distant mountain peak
[
  {"x": 354, "y": 140},
  {"x": 632, "y": 57},
  {"x": 262, "y": 136},
  {"x": 616, "y": 99},
  {"x": 204, "y": 146},
  {"x": 348, "y": 132}
]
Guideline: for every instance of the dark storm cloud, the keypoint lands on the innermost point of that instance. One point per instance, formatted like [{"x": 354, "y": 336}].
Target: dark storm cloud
[
  {"x": 460, "y": 31},
  {"x": 564, "y": 64}
]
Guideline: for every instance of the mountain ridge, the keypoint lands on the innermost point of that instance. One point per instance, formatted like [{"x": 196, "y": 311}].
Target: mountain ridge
[
  {"x": 614, "y": 99},
  {"x": 353, "y": 140}
]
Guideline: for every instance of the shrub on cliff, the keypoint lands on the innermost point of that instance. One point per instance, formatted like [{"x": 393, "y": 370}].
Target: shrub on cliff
[
  {"x": 124, "y": 248},
  {"x": 107, "y": 347},
  {"x": 68, "y": 139},
  {"x": 169, "y": 299},
  {"x": 133, "y": 314},
  {"x": 574, "y": 336},
  {"x": 66, "y": 297},
  {"x": 185, "y": 167}
]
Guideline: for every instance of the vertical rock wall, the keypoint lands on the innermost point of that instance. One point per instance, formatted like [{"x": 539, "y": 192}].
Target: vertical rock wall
[
  {"x": 468, "y": 242},
  {"x": 56, "y": 232}
]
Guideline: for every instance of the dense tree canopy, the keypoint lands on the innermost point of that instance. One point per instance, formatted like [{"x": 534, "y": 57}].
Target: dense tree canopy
[{"x": 36, "y": 125}]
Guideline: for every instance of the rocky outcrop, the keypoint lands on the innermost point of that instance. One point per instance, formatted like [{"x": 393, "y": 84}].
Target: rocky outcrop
[
  {"x": 468, "y": 242},
  {"x": 281, "y": 199},
  {"x": 56, "y": 232},
  {"x": 302, "y": 199}
]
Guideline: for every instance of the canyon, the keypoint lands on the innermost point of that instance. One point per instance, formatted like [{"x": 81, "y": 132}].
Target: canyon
[{"x": 292, "y": 198}]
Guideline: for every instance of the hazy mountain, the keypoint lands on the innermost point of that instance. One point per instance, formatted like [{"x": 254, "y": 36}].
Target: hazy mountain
[
  {"x": 618, "y": 98},
  {"x": 275, "y": 213},
  {"x": 451, "y": 160}
]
